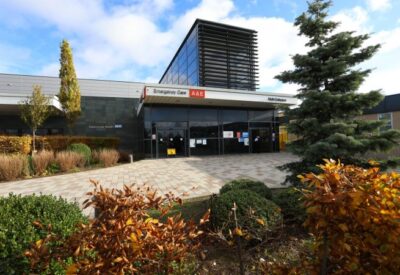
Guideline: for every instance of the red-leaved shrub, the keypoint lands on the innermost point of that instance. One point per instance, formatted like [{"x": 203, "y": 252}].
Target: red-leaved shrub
[{"x": 123, "y": 238}]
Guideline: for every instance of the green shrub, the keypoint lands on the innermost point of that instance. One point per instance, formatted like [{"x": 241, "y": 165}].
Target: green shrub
[
  {"x": 17, "y": 232},
  {"x": 256, "y": 186},
  {"x": 82, "y": 149},
  {"x": 255, "y": 214},
  {"x": 291, "y": 203}
]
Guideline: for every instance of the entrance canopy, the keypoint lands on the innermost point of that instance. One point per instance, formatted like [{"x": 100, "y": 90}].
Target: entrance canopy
[
  {"x": 187, "y": 95},
  {"x": 9, "y": 103}
]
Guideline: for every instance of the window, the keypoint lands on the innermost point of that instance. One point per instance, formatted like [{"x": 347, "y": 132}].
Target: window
[
  {"x": 388, "y": 118},
  {"x": 204, "y": 129},
  {"x": 203, "y": 114},
  {"x": 168, "y": 114},
  {"x": 234, "y": 115},
  {"x": 261, "y": 115}
]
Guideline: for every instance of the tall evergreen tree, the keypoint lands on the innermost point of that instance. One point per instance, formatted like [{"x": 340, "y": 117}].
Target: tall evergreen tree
[
  {"x": 69, "y": 95},
  {"x": 326, "y": 122}
]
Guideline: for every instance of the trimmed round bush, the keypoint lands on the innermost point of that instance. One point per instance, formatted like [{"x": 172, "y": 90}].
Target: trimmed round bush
[
  {"x": 17, "y": 232},
  {"x": 291, "y": 203},
  {"x": 251, "y": 209},
  {"x": 82, "y": 149},
  {"x": 256, "y": 186}
]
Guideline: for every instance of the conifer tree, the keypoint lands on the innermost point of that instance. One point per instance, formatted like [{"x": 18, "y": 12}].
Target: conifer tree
[
  {"x": 69, "y": 95},
  {"x": 326, "y": 122}
]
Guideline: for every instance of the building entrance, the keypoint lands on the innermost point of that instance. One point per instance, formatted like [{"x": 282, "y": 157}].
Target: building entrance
[
  {"x": 171, "y": 143},
  {"x": 261, "y": 140}
]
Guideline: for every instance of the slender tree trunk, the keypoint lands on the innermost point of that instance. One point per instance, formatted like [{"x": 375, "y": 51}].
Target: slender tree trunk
[
  {"x": 238, "y": 240},
  {"x": 325, "y": 256},
  {"x": 33, "y": 141}
]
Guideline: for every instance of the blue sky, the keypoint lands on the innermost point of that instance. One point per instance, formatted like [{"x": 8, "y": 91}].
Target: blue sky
[{"x": 135, "y": 40}]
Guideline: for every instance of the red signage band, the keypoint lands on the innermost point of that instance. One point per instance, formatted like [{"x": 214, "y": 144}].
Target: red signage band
[{"x": 197, "y": 93}]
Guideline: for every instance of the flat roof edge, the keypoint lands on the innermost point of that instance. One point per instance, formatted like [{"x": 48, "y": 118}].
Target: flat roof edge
[
  {"x": 56, "y": 77},
  {"x": 173, "y": 86}
]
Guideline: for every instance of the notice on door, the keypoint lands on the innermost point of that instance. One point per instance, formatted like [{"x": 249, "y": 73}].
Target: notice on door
[
  {"x": 228, "y": 134},
  {"x": 171, "y": 151},
  {"x": 192, "y": 143}
]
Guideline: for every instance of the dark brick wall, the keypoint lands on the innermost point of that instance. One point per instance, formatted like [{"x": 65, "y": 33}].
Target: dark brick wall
[{"x": 101, "y": 116}]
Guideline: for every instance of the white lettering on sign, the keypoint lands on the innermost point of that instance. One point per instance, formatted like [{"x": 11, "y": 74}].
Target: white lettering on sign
[{"x": 167, "y": 92}]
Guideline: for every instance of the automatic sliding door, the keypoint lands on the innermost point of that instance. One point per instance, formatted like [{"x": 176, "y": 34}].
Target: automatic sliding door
[
  {"x": 261, "y": 140},
  {"x": 171, "y": 143}
]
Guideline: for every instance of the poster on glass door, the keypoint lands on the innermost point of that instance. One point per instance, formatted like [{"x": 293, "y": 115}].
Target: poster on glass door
[{"x": 228, "y": 134}]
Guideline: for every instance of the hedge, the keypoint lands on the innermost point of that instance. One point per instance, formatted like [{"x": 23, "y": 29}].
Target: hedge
[
  {"x": 22, "y": 144},
  {"x": 15, "y": 144}
]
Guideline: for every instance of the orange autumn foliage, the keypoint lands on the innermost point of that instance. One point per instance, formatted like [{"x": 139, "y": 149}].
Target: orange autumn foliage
[
  {"x": 357, "y": 211},
  {"x": 123, "y": 238}
]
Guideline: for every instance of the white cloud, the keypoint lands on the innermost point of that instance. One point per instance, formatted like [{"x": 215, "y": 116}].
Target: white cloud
[
  {"x": 125, "y": 42},
  {"x": 378, "y": 5},
  {"x": 354, "y": 19},
  {"x": 386, "y": 69},
  {"x": 275, "y": 48}
]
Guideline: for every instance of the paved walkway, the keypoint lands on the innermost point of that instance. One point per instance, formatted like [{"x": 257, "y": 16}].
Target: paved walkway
[{"x": 198, "y": 176}]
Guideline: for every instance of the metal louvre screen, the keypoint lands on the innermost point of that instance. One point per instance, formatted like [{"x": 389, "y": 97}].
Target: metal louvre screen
[{"x": 227, "y": 57}]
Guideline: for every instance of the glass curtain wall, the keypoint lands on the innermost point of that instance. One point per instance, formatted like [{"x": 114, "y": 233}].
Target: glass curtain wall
[
  {"x": 192, "y": 131},
  {"x": 183, "y": 70}
]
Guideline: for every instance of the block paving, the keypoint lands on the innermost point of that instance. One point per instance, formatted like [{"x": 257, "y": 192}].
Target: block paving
[{"x": 196, "y": 176}]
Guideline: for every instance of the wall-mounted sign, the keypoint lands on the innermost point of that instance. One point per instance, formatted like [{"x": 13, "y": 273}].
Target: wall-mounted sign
[
  {"x": 197, "y": 93},
  {"x": 167, "y": 92},
  {"x": 156, "y": 91},
  {"x": 276, "y": 99},
  {"x": 228, "y": 134},
  {"x": 117, "y": 126}
]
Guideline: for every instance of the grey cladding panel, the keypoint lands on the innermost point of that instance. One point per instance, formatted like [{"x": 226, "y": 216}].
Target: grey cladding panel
[{"x": 22, "y": 85}]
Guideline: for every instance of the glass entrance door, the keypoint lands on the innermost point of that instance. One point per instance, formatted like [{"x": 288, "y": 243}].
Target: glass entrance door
[
  {"x": 171, "y": 143},
  {"x": 261, "y": 140}
]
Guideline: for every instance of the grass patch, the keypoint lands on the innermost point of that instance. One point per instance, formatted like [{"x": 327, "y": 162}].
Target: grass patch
[{"x": 190, "y": 210}]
